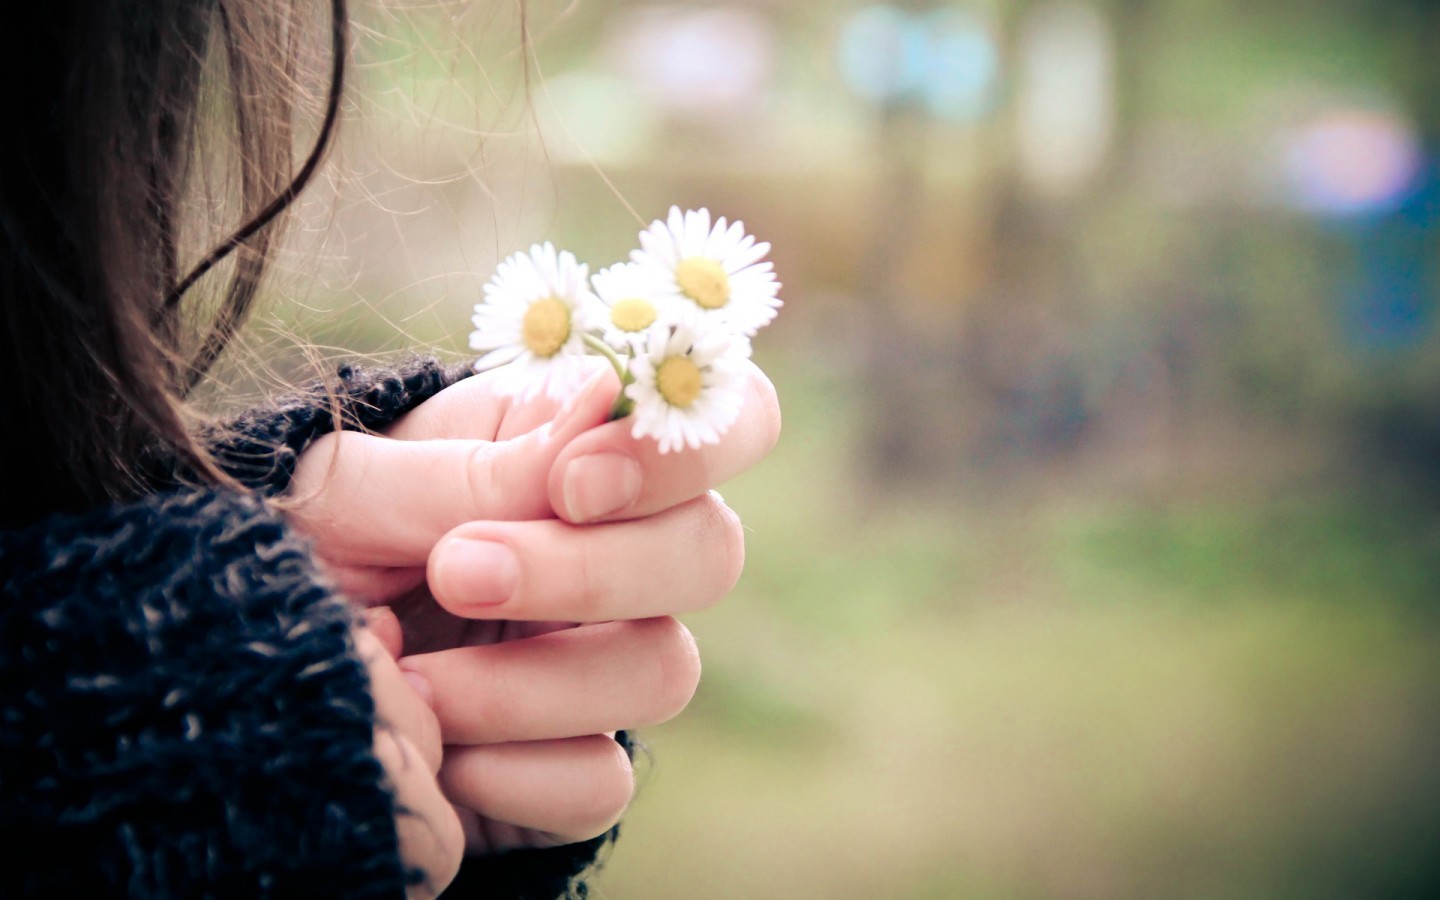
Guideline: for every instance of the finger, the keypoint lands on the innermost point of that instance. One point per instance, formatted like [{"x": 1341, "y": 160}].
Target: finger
[
  {"x": 427, "y": 828},
  {"x": 473, "y": 409},
  {"x": 370, "y": 586},
  {"x": 586, "y": 680},
  {"x": 384, "y": 502},
  {"x": 382, "y": 622},
  {"x": 486, "y": 836},
  {"x": 399, "y": 703},
  {"x": 571, "y": 790},
  {"x": 608, "y": 474},
  {"x": 679, "y": 560}
]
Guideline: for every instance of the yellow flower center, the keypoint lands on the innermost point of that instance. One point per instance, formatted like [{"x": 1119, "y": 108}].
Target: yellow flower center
[
  {"x": 633, "y": 314},
  {"x": 546, "y": 327},
  {"x": 704, "y": 281},
  {"x": 678, "y": 380}
]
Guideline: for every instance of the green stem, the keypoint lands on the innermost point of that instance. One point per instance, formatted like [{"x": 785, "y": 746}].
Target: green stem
[
  {"x": 623, "y": 404},
  {"x": 602, "y": 348}
]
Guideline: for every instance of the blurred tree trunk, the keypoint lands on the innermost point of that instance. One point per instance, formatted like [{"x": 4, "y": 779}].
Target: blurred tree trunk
[
  {"x": 896, "y": 433},
  {"x": 1000, "y": 385}
]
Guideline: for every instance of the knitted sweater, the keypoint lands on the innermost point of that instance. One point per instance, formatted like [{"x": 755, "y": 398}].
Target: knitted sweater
[{"x": 182, "y": 711}]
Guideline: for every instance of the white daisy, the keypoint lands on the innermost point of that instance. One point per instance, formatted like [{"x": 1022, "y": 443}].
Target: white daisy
[
  {"x": 533, "y": 320},
  {"x": 689, "y": 385},
  {"x": 633, "y": 300},
  {"x": 716, "y": 269}
]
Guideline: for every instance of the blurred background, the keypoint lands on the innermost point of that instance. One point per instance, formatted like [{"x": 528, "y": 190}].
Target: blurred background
[{"x": 1100, "y": 557}]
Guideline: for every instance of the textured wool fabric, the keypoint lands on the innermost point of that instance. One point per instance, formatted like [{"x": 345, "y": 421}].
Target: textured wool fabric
[
  {"x": 261, "y": 448},
  {"x": 182, "y": 713}
]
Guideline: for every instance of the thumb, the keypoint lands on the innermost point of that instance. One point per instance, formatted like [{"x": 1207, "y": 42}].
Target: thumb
[{"x": 378, "y": 501}]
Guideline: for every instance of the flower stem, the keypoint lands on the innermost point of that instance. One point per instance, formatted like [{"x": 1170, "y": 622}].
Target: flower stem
[
  {"x": 623, "y": 404},
  {"x": 602, "y": 348}
]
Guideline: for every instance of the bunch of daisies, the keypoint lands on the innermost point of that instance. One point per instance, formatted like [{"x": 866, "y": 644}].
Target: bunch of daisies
[{"x": 675, "y": 322}]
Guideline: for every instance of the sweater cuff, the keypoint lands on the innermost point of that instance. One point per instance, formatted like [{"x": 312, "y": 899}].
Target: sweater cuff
[
  {"x": 535, "y": 874},
  {"x": 184, "y": 712},
  {"x": 260, "y": 448}
]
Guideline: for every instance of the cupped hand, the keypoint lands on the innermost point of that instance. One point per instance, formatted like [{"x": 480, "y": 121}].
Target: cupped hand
[
  {"x": 491, "y": 527},
  {"x": 376, "y": 506}
]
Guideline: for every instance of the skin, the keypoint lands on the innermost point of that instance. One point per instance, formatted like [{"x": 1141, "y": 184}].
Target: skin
[
  {"x": 532, "y": 557},
  {"x": 407, "y": 743}
]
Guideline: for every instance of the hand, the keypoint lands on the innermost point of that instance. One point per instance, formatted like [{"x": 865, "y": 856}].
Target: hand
[
  {"x": 407, "y": 744},
  {"x": 525, "y": 702},
  {"x": 376, "y": 506}
]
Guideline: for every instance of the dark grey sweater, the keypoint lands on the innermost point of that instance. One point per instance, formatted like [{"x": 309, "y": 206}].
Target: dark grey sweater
[{"x": 182, "y": 712}]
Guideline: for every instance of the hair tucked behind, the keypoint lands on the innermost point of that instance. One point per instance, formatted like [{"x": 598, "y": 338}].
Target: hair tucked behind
[{"x": 105, "y": 334}]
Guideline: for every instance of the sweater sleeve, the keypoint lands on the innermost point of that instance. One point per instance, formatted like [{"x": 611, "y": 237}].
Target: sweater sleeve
[
  {"x": 532, "y": 874},
  {"x": 261, "y": 447},
  {"x": 184, "y": 714}
]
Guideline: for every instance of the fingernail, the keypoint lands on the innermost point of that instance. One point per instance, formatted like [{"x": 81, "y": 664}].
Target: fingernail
[
  {"x": 385, "y": 625},
  {"x": 379, "y": 617},
  {"x": 419, "y": 684},
  {"x": 477, "y": 573},
  {"x": 600, "y": 484},
  {"x": 578, "y": 399}
]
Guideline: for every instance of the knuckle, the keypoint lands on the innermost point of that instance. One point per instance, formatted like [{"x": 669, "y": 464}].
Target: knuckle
[
  {"x": 479, "y": 474},
  {"x": 312, "y": 463},
  {"x": 478, "y": 717},
  {"x": 313, "y": 490},
  {"x": 590, "y": 585},
  {"x": 726, "y": 535},
  {"x": 428, "y": 741},
  {"x": 677, "y": 658},
  {"x": 450, "y": 835},
  {"x": 609, "y": 786},
  {"x": 769, "y": 418},
  {"x": 498, "y": 712},
  {"x": 433, "y": 841}
]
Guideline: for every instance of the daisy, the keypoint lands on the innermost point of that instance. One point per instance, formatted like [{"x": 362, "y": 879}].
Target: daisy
[
  {"x": 633, "y": 300},
  {"x": 534, "y": 317},
  {"x": 715, "y": 269},
  {"x": 689, "y": 385}
]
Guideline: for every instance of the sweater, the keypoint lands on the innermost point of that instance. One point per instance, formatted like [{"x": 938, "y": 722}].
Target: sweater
[{"x": 182, "y": 710}]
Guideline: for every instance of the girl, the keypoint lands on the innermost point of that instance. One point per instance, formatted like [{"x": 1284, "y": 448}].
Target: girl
[{"x": 191, "y": 705}]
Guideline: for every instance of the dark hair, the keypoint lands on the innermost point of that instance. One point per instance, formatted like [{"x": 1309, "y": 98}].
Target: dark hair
[{"x": 104, "y": 337}]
